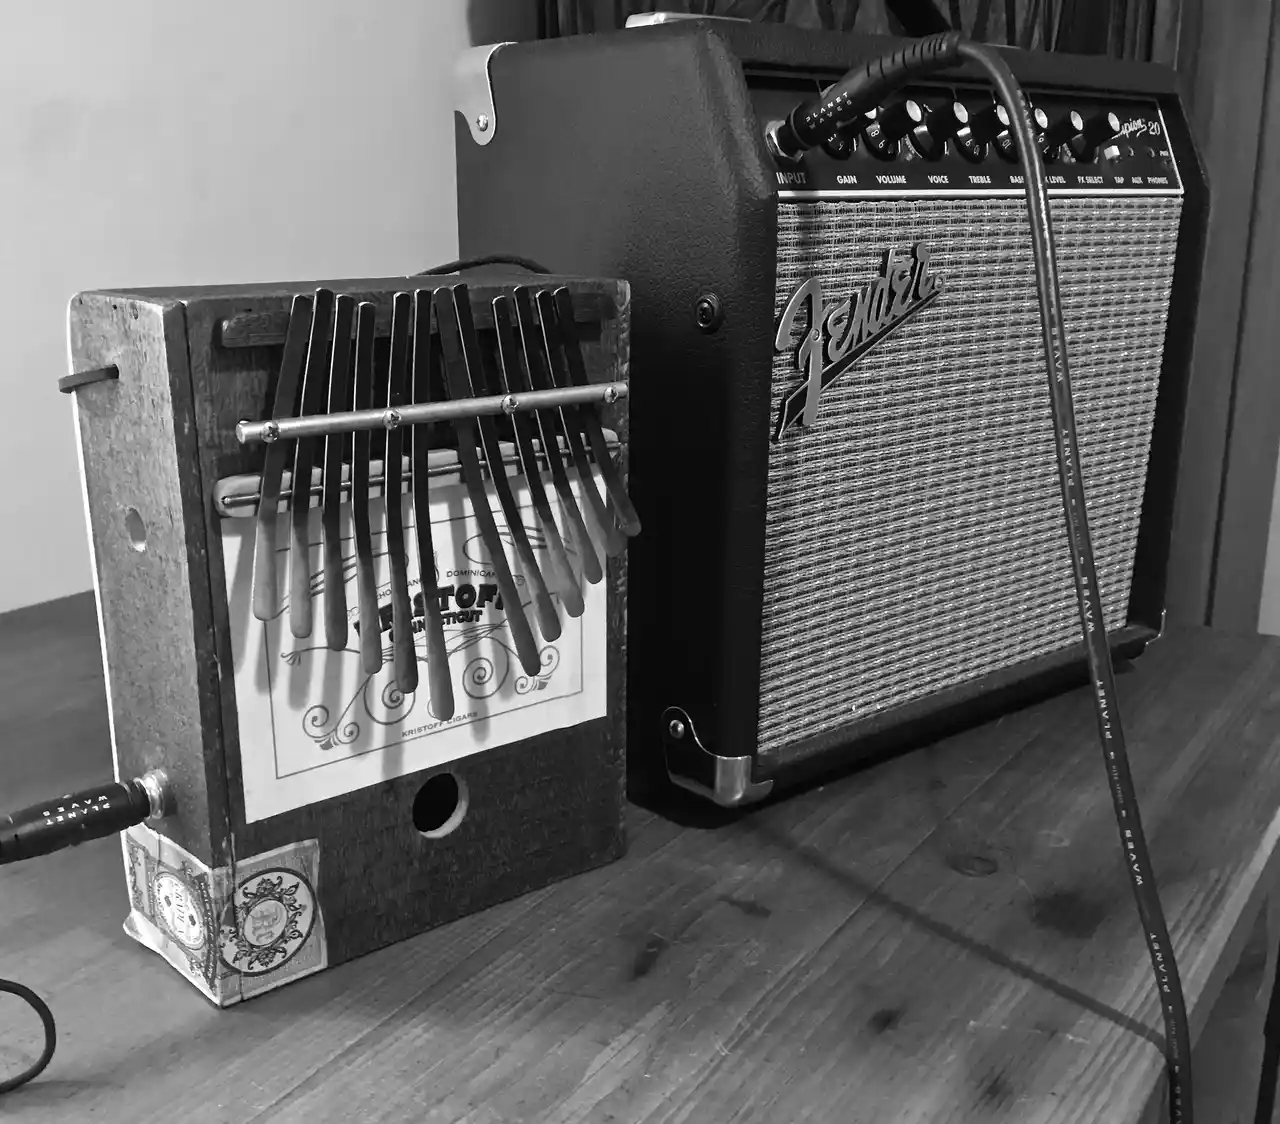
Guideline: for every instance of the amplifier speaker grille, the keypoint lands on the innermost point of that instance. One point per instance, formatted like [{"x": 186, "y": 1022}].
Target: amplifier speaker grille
[{"x": 915, "y": 537}]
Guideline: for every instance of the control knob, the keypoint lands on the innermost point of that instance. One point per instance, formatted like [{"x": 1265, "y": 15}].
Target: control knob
[
  {"x": 885, "y": 128},
  {"x": 1097, "y": 131},
  {"x": 840, "y": 145},
  {"x": 1061, "y": 133},
  {"x": 988, "y": 123},
  {"x": 948, "y": 122},
  {"x": 993, "y": 125}
]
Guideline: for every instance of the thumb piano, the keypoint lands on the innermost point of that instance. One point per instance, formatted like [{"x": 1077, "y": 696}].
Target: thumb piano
[{"x": 359, "y": 552}]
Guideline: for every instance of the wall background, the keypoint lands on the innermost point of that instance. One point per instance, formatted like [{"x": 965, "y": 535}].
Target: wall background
[
  {"x": 300, "y": 139},
  {"x": 180, "y": 144}
]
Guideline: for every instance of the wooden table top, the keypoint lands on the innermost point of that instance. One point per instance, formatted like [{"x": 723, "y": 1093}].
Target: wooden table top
[{"x": 949, "y": 936}]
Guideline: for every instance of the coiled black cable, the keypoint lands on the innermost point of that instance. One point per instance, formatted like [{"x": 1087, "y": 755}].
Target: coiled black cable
[
  {"x": 41, "y": 1008},
  {"x": 66, "y": 821},
  {"x": 809, "y": 124}
]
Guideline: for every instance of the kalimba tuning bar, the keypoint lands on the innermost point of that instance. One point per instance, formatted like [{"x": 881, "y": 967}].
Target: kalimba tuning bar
[{"x": 322, "y": 425}]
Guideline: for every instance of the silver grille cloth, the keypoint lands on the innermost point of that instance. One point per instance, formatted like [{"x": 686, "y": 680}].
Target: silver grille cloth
[{"x": 915, "y": 537}]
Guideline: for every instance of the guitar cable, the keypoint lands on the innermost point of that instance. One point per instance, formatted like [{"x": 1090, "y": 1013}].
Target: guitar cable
[
  {"x": 67, "y": 821},
  {"x": 809, "y": 124},
  {"x": 463, "y": 264}
]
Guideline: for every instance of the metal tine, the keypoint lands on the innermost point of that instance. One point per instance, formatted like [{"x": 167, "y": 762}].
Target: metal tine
[
  {"x": 625, "y": 511},
  {"x": 513, "y": 382},
  {"x": 614, "y": 541},
  {"x": 550, "y": 441},
  {"x": 404, "y": 653},
  {"x": 266, "y": 597},
  {"x": 315, "y": 379},
  {"x": 366, "y": 579},
  {"x": 446, "y": 302},
  {"x": 478, "y": 378},
  {"x": 438, "y": 677},
  {"x": 336, "y": 446}
]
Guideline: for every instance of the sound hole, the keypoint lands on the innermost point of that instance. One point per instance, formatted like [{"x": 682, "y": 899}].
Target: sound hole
[
  {"x": 440, "y": 805},
  {"x": 136, "y": 530}
]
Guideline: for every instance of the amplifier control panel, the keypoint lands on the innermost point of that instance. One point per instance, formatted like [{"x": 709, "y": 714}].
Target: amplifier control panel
[{"x": 949, "y": 139}]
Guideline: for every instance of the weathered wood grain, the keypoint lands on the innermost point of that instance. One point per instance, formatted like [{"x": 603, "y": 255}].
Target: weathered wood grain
[
  {"x": 139, "y": 445},
  {"x": 949, "y": 936}
]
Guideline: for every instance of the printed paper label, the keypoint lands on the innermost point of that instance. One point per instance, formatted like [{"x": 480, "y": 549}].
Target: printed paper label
[
  {"x": 315, "y": 725},
  {"x": 174, "y": 904},
  {"x": 271, "y": 927},
  {"x": 232, "y": 935}
]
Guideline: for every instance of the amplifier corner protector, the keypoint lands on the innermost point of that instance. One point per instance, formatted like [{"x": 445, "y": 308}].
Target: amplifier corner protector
[
  {"x": 473, "y": 91},
  {"x": 690, "y": 765}
]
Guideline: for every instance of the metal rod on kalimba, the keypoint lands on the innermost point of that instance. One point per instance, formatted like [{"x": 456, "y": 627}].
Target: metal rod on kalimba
[
  {"x": 404, "y": 654},
  {"x": 550, "y": 441},
  {"x": 354, "y": 421},
  {"x": 614, "y": 541},
  {"x": 625, "y": 511},
  {"x": 336, "y": 444},
  {"x": 522, "y": 425},
  {"x": 266, "y": 598},
  {"x": 478, "y": 380},
  {"x": 366, "y": 581},
  {"x": 446, "y": 302},
  {"x": 315, "y": 379},
  {"x": 439, "y": 679}
]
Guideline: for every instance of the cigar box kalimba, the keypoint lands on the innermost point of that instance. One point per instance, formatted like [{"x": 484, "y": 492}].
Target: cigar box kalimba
[{"x": 359, "y": 556}]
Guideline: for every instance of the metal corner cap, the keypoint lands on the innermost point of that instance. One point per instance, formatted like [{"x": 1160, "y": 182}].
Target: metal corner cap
[
  {"x": 473, "y": 91},
  {"x": 734, "y": 787},
  {"x": 731, "y": 784}
]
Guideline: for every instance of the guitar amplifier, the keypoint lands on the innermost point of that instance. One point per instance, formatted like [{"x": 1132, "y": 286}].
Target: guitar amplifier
[{"x": 842, "y": 444}]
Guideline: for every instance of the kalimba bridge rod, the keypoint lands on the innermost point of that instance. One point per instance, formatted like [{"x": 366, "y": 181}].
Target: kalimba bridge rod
[{"x": 350, "y": 421}]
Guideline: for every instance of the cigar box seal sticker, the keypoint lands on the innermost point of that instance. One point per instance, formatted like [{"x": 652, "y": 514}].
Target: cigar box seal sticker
[
  {"x": 271, "y": 929},
  {"x": 232, "y": 935},
  {"x": 174, "y": 906},
  {"x": 314, "y": 724}
]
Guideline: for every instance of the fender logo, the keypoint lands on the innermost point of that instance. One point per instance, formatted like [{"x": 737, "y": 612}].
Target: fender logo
[{"x": 840, "y": 333}]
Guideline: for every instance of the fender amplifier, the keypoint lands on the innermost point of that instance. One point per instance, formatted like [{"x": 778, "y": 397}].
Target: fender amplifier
[{"x": 842, "y": 445}]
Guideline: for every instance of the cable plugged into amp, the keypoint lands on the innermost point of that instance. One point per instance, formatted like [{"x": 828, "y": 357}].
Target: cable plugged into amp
[
  {"x": 1024, "y": 136},
  {"x": 861, "y": 90}
]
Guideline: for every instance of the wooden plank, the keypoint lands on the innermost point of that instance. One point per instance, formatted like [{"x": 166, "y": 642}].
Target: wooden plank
[
  {"x": 502, "y": 986},
  {"x": 1026, "y": 995},
  {"x": 147, "y": 533},
  {"x": 821, "y": 958},
  {"x": 1254, "y": 436}
]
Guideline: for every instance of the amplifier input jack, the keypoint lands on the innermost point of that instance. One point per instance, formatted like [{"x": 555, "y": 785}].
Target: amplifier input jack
[{"x": 775, "y": 148}]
